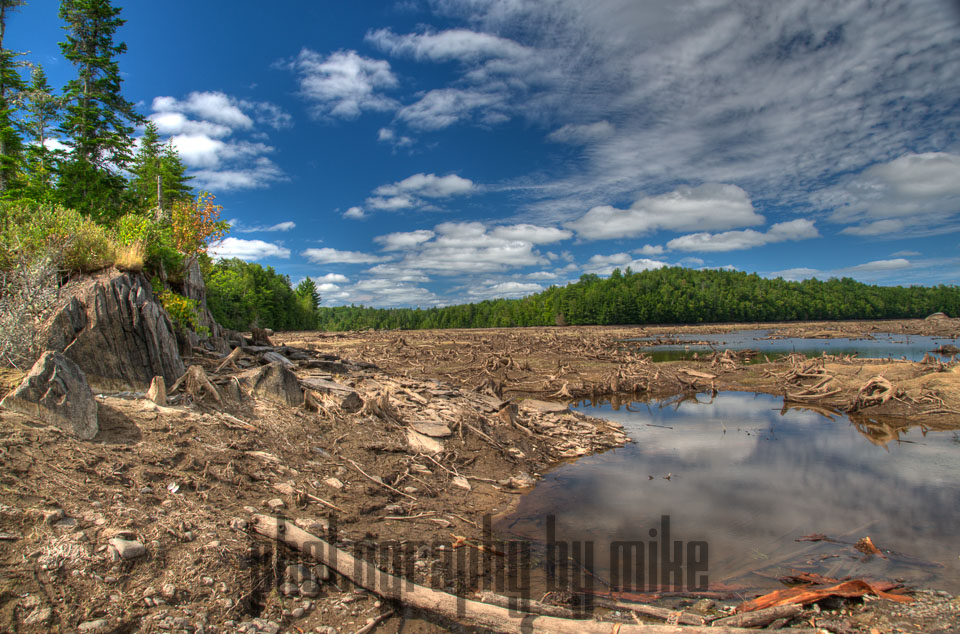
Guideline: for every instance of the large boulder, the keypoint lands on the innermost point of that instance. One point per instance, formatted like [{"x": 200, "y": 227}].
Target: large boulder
[
  {"x": 274, "y": 382},
  {"x": 56, "y": 392},
  {"x": 112, "y": 327}
]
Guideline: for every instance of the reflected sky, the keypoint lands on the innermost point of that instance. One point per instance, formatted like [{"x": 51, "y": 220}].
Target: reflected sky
[
  {"x": 882, "y": 346},
  {"x": 750, "y": 479}
]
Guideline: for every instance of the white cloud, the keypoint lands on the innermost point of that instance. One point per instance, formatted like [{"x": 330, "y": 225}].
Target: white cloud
[
  {"x": 796, "y": 274},
  {"x": 344, "y": 84},
  {"x": 709, "y": 207},
  {"x": 912, "y": 194},
  {"x": 216, "y": 107},
  {"x": 442, "y": 107},
  {"x": 332, "y": 278},
  {"x": 649, "y": 249},
  {"x": 494, "y": 290},
  {"x": 238, "y": 227},
  {"x": 327, "y": 287},
  {"x": 355, "y": 213},
  {"x": 389, "y": 136},
  {"x": 248, "y": 250},
  {"x": 582, "y": 133},
  {"x": 404, "y": 240},
  {"x": 531, "y": 233},
  {"x": 327, "y": 255},
  {"x": 880, "y": 265},
  {"x": 800, "y": 229},
  {"x": 429, "y": 185},
  {"x": 906, "y": 254},
  {"x": 605, "y": 264},
  {"x": 455, "y": 44},
  {"x": 411, "y": 191},
  {"x": 204, "y": 126}
]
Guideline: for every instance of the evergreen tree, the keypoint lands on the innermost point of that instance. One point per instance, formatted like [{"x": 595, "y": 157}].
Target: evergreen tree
[
  {"x": 307, "y": 291},
  {"x": 41, "y": 112},
  {"x": 11, "y": 84},
  {"x": 97, "y": 118},
  {"x": 159, "y": 176}
]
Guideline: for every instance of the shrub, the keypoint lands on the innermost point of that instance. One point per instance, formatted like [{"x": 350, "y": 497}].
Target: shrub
[
  {"x": 89, "y": 249},
  {"x": 184, "y": 312},
  {"x": 72, "y": 241}
]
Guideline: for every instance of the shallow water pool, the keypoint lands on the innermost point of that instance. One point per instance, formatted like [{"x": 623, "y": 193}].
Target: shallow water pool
[{"x": 749, "y": 478}]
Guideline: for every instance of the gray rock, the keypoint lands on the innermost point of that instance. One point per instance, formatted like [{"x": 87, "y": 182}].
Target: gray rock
[
  {"x": 274, "y": 382},
  {"x": 56, "y": 392},
  {"x": 310, "y": 589},
  {"x": 276, "y": 357},
  {"x": 128, "y": 549},
  {"x": 116, "y": 332},
  {"x": 42, "y": 616},
  {"x": 93, "y": 627},
  {"x": 289, "y": 589}
]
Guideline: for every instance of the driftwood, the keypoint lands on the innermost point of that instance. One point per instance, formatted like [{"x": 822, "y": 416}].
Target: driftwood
[
  {"x": 450, "y": 606},
  {"x": 664, "y": 614},
  {"x": 527, "y": 605},
  {"x": 230, "y": 359},
  {"x": 760, "y": 618}
]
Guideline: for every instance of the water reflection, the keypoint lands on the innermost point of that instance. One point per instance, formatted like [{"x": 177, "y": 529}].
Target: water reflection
[
  {"x": 877, "y": 345},
  {"x": 749, "y": 477}
]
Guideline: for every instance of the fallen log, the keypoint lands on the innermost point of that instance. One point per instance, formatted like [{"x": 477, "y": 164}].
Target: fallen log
[
  {"x": 455, "y": 608},
  {"x": 760, "y": 618}
]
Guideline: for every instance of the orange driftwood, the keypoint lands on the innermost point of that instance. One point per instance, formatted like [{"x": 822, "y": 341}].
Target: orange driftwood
[{"x": 811, "y": 594}]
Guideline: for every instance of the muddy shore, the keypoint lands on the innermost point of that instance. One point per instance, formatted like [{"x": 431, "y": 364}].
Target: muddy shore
[{"x": 410, "y": 436}]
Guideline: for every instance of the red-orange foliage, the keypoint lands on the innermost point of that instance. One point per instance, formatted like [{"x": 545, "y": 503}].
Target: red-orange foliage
[{"x": 196, "y": 223}]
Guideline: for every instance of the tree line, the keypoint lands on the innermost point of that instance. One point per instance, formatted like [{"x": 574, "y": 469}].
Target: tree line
[{"x": 671, "y": 295}]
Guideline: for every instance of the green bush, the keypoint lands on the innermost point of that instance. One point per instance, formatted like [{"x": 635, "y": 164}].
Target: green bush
[
  {"x": 75, "y": 242},
  {"x": 184, "y": 312}
]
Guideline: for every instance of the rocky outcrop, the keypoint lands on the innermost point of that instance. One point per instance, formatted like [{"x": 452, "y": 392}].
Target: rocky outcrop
[
  {"x": 196, "y": 289},
  {"x": 112, "y": 327},
  {"x": 55, "y": 391}
]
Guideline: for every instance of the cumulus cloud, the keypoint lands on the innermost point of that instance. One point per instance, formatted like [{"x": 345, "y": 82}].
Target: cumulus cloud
[
  {"x": 605, "y": 264},
  {"x": 650, "y": 249},
  {"x": 387, "y": 135},
  {"x": 355, "y": 212},
  {"x": 404, "y": 240},
  {"x": 491, "y": 289},
  {"x": 332, "y": 278},
  {"x": 327, "y": 255},
  {"x": 344, "y": 84},
  {"x": 531, "y": 233},
  {"x": 413, "y": 191},
  {"x": 204, "y": 128},
  {"x": 249, "y": 250},
  {"x": 913, "y": 194},
  {"x": 711, "y": 207},
  {"x": 880, "y": 265},
  {"x": 800, "y": 229}
]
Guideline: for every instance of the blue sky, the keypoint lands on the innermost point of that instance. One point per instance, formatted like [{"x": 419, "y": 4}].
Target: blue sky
[{"x": 429, "y": 152}]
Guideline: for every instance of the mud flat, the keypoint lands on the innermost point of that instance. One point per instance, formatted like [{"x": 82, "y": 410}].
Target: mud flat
[{"x": 411, "y": 438}]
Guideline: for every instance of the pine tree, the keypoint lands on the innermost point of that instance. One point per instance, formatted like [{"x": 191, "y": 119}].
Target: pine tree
[
  {"x": 159, "y": 176},
  {"x": 11, "y": 84},
  {"x": 41, "y": 111},
  {"x": 308, "y": 293},
  {"x": 97, "y": 120}
]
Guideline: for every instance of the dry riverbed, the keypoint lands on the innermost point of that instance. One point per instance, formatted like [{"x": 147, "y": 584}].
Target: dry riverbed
[{"x": 410, "y": 437}]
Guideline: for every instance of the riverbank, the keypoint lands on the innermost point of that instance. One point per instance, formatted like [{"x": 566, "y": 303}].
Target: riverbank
[{"x": 402, "y": 437}]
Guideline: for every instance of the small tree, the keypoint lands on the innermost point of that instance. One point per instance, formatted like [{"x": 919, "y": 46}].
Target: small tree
[
  {"x": 11, "y": 84},
  {"x": 42, "y": 110},
  {"x": 308, "y": 293},
  {"x": 196, "y": 224}
]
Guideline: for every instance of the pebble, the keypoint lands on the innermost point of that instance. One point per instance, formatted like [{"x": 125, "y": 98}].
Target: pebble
[
  {"x": 92, "y": 627},
  {"x": 309, "y": 588},
  {"x": 289, "y": 589},
  {"x": 169, "y": 590},
  {"x": 127, "y": 549},
  {"x": 275, "y": 504},
  {"x": 297, "y": 612},
  {"x": 39, "y": 617}
]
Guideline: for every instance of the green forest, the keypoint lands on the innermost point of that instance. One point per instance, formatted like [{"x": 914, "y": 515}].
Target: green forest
[{"x": 666, "y": 296}]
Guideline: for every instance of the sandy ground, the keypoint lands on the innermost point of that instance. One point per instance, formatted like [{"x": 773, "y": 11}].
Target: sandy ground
[{"x": 427, "y": 433}]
